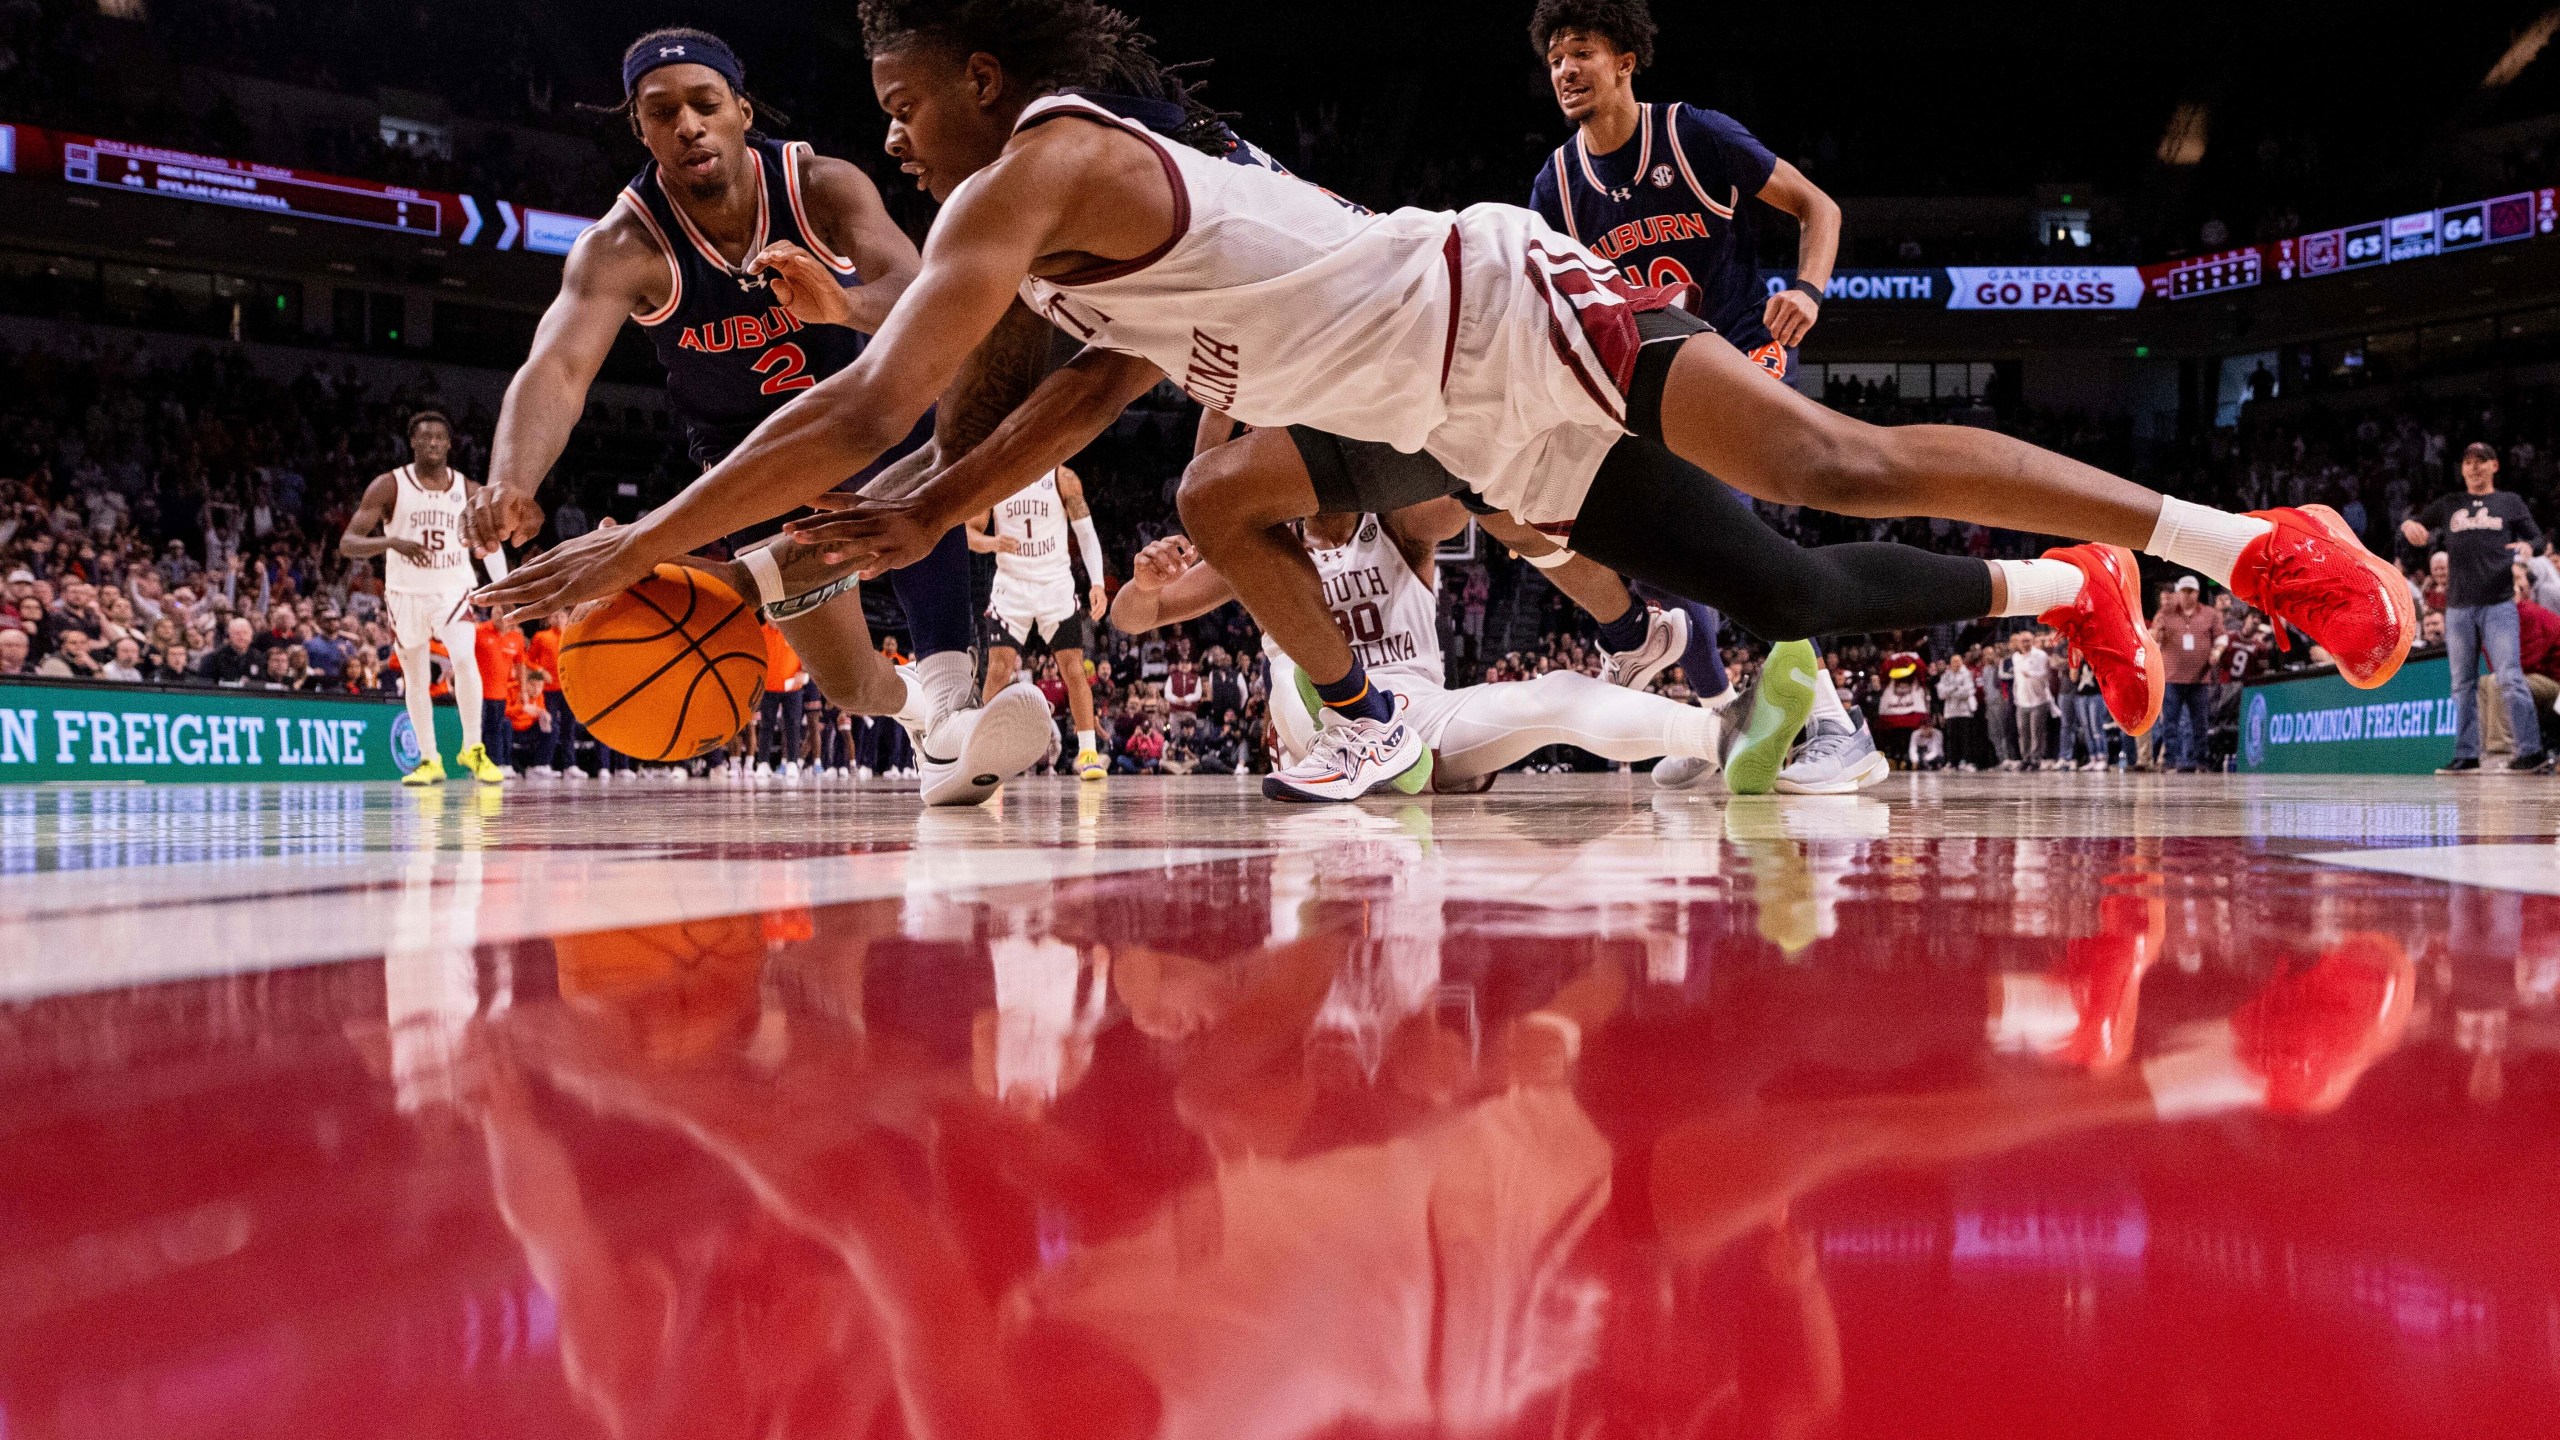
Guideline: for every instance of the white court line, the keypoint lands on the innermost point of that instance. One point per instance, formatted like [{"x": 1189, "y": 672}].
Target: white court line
[
  {"x": 514, "y": 895},
  {"x": 2527, "y": 869},
  {"x": 54, "y": 893}
]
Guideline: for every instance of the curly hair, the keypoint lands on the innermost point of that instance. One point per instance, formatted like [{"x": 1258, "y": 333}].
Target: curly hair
[
  {"x": 1051, "y": 45},
  {"x": 427, "y": 417},
  {"x": 1626, "y": 24}
]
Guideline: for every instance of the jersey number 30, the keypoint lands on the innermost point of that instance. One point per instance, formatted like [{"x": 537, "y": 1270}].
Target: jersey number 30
[{"x": 788, "y": 369}]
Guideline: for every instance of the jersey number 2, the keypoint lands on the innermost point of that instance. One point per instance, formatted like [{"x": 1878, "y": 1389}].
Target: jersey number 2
[{"x": 788, "y": 369}]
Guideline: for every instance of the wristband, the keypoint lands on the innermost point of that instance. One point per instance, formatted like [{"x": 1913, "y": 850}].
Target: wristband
[
  {"x": 1552, "y": 560},
  {"x": 1807, "y": 287}
]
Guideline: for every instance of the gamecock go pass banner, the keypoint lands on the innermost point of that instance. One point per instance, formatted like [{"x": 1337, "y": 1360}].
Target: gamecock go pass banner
[
  {"x": 2043, "y": 287},
  {"x": 172, "y": 734},
  {"x": 2321, "y": 725}
]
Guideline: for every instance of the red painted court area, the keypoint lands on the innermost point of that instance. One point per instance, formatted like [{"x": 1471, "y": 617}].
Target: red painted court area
[{"x": 2081, "y": 1108}]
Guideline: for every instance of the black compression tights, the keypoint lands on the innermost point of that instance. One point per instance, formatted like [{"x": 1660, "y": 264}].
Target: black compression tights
[{"x": 1654, "y": 517}]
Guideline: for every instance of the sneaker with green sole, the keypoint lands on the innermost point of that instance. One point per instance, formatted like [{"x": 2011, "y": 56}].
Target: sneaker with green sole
[{"x": 1780, "y": 704}]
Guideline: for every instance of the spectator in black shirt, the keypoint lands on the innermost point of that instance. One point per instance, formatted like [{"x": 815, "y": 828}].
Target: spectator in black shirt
[
  {"x": 2483, "y": 531},
  {"x": 231, "y": 662}
]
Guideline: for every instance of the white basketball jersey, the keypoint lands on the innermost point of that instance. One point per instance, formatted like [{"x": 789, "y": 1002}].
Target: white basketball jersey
[
  {"x": 1281, "y": 305},
  {"x": 1036, "y": 519},
  {"x": 1390, "y": 617},
  {"x": 432, "y": 518}
]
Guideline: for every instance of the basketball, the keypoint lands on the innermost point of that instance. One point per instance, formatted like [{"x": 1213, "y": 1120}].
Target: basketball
[{"x": 668, "y": 669}]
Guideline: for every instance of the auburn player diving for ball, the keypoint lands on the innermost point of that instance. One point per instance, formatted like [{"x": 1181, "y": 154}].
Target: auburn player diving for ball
[
  {"x": 756, "y": 268},
  {"x": 1523, "y": 367}
]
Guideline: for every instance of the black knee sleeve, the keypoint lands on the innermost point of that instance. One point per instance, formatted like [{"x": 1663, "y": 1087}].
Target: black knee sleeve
[{"x": 1653, "y": 516}]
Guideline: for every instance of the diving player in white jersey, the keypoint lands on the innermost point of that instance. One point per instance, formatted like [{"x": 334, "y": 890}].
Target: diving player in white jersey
[
  {"x": 1035, "y": 594},
  {"x": 1380, "y": 583},
  {"x": 412, "y": 518},
  {"x": 1523, "y": 365}
]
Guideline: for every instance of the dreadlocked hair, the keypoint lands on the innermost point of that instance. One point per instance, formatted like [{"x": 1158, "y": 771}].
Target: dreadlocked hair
[
  {"x": 1626, "y": 24},
  {"x": 1047, "y": 45},
  {"x": 1202, "y": 128},
  {"x": 627, "y": 112}
]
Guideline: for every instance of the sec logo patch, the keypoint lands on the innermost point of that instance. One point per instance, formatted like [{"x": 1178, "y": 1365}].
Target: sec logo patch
[{"x": 1661, "y": 177}]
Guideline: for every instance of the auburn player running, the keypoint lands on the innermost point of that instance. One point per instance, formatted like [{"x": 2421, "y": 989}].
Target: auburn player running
[
  {"x": 1523, "y": 366},
  {"x": 1666, "y": 191},
  {"x": 756, "y": 268},
  {"x": 1034, "y": 604},
  {"x": 1380, "y": 583}
]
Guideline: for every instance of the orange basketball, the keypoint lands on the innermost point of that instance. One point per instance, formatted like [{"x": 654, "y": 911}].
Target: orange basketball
[{"x": 666, "y": 670}]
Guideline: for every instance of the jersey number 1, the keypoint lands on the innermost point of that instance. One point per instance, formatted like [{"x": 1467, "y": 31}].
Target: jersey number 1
[{"x": 788, "y": 367}]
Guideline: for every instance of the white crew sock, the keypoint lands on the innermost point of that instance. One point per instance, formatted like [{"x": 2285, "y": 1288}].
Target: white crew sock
[
  {"x": 1826, "y": 702},
  {"x": 2036, "y": 586},
  {"x": 2205, "y": 540},
  {"x": 1694, "y": 731},
  {"x": 949, "y": 677},
  {"x": 2037, "y": 1014},
  {"x": 1085, "y": 745},
  {"x": 417, "y": 677},
  {"x": 921, "y": 708},
  {"x": 2203, "y": 1078}
]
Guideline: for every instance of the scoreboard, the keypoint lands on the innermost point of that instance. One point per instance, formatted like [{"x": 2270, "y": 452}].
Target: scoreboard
[
  {"x": 2208, "y": 274},
  {"x": 115, "y": 165},
  {"x": 281, "y": 191},
  {"x": 2416, "y": 236}
]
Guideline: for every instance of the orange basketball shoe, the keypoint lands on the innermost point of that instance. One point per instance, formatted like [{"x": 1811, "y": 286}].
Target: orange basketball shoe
[
  {"x": 2105, "y": 628},
  {"x": 2311, "y": 572},
  {"x": 2315, "y": 1028}
]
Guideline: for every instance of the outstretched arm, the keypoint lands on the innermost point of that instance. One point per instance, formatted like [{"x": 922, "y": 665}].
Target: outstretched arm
[
  {"x": 986, "y": 241},
  {"x": 614, "y": 271}
]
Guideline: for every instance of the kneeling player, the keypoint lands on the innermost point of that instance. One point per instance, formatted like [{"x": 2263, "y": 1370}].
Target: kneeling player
[{"x": 1379, "y": 581}]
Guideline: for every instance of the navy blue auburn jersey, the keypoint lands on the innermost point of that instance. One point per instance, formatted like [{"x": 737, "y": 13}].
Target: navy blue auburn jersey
[
  {"x": 733, "y": 353},
  {"x": 1671, "y": 207}
]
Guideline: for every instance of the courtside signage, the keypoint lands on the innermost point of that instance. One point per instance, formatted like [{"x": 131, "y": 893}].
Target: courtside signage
[
  {"x": 2321, "y": 725},
  {"x": 56, "y": 731}
]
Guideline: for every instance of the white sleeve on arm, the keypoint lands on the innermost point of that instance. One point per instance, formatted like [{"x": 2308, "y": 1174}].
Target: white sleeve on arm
[{"x": 1088, "y": 545}]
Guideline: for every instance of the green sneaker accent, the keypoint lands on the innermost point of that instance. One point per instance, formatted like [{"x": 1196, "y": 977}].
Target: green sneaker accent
[
  {"x": 1412, "y": 782},
  {"x": 1418, "y": 778},
  {"x": 1780, "y": 704}
]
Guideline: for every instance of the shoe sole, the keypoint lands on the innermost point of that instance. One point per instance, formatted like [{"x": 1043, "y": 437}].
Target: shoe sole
[
  {"x": 1011, "y": 735},
  {"x": 2154, "y": 667},
  {"x": 1680, "y": 646},
  {"x": 2393, "y": 585},
  {"x": 1870, "y": 772},
  {"x": 1780, "y": 705}
]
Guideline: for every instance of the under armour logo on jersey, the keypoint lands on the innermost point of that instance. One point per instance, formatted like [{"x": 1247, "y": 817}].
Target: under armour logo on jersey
[
  {"x": 753, "y": 283},
  {"x": 1661, "y": 177}
]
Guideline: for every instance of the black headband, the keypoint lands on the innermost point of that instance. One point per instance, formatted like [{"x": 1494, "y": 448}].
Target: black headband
[{"x": 682, "y": 50}]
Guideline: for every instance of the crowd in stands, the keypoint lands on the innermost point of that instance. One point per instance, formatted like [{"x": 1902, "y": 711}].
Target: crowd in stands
[{"x": 175, "y": 523}]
